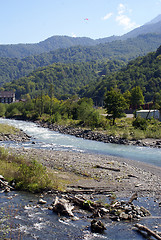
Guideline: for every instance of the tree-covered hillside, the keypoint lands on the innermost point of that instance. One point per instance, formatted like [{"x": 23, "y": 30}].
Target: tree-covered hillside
[
  {"x": 11, "y": 69},
  {"x": 143, "y": 71},
  {"x": 64, "y": 79}
]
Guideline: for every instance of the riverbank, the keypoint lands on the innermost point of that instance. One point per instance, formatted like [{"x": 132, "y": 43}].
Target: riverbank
[
  {"x": 82, "y": 172},
  {"x": 17, "y": 136},
  {"x": 100, "y": 136},
  {"x": 91, "y": 173}
]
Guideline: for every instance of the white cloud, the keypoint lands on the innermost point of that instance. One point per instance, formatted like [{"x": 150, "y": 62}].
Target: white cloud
[
  {"x": 107, "y": 16},
  {"x": 123, "y": 19},
  {"x": 121, "y": 9}
]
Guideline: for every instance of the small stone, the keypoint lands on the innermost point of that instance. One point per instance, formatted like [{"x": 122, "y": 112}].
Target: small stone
[
  {"x": 41, "y": 201},
  {"x": 124, "y": 216},
  {"x": 97, "y": 226}
]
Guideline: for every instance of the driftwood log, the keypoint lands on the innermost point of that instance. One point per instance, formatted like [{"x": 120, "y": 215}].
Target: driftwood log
[
  {"x": 141, "y": 228},
  {"x": 5, "y": 184},
  {"x": 108, "y": 168},
  {"x": 133, "y": 197}
]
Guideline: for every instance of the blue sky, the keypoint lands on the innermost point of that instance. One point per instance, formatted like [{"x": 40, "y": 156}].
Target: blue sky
[{"x": 32, "y": 21}]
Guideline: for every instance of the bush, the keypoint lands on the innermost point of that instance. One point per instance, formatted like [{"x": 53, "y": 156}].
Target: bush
[
  {"x": 2, "y": 109},
  {"x": 32, "y": 177},
  {"x": 140, "y": 123}
]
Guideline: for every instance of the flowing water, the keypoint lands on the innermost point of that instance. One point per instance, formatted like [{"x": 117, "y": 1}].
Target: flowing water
[{"x": 20, "y": 213}]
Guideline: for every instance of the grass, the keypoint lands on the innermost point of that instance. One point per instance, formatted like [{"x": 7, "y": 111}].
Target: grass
[
  {"x": 29, "y": 175},
  {"x": 124, "y": 129},
  {"x": 6, "y": 129}
]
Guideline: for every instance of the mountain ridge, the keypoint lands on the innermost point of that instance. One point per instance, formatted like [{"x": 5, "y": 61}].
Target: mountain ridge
[{"x": 60, "y": 42}]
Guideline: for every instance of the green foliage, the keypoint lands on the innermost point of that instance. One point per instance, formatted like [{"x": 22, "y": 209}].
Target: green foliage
[
  {"x": 73, "y": 109},
  {"x": 115, "y": 104},
  {"x": 137, "y": 97},
  {"x": 13, "y": 68},
  {"x": 140, "y": 123},
  {"x": 27, "y": 175},
  {"x": 32, "y": 177},
  {"x": 61, "y": 80},
  {"x": 2, "y": 109},
  {"x": 6, "y": 129},
  {"x": 143, "y": 72}
]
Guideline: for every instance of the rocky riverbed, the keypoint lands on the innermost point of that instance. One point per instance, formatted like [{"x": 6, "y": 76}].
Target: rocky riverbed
[
  {"x": 90, "y": 173},
  {"x": 17, "y": 136}
]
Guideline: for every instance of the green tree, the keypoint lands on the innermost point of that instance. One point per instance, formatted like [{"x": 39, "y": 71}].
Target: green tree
[
  {"x": 137, "y": 97},
  {"x": 2, "y": 109},
  {"x": 115, "y": 104}
]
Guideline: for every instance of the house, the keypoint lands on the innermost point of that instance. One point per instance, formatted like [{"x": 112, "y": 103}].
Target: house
[
  {"x": 148, "y": 114},
  {"x": 7, "y": 97}
]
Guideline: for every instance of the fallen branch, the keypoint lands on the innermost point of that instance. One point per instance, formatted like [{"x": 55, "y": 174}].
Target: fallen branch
[
  {"x": 147, "y": 230},
  {"x": 133, "y": 197},
  {"x": 5, "y": 184},
  {"x": 108, "y": 168}
]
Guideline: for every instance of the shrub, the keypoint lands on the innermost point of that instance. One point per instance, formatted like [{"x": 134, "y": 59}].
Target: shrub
[
  {"x": 140, "y": 123},
  {"x": 32, "y": 177}
]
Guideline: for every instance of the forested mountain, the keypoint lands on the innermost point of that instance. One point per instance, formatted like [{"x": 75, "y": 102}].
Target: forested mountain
[
  {"x": 65, "y": 79},
  {"x": 11, "y": 69},
  {"x": 93, "y": 79},
  {"x": 57, "y": 42},
  {"x": 143, "y": 71},
  {"x": 50, "y": 44}
]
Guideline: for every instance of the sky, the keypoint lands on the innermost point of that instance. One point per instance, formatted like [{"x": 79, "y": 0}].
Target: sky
[{"x": 32, "y": 21}]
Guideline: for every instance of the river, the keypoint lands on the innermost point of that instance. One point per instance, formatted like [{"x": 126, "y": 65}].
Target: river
[
  {"x": 30, "y": 222},
  {"x": 47, "y": 139}
]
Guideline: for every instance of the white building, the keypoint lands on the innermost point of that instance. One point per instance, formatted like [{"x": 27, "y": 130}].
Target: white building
[{"x": 148, "y": 114}]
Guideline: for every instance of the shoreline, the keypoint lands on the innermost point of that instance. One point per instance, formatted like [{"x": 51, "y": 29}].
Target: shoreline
[{"x": 101, "y": 137}]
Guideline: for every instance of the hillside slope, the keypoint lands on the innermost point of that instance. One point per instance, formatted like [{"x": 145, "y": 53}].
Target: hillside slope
[
  {"x": 11, "y": 69},
  {"x": 143, "y": 71}
]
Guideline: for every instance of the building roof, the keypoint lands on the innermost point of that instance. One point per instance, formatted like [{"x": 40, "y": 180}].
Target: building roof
[{"x": 7, "y": 94}]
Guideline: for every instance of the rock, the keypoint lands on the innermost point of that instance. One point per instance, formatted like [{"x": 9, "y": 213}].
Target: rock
[
  {"x": 97, "y": 226},
  {"x": 41, "y": 201},
  {"x": 124, "y": 216},
  {"x": 63, "y": 207}
]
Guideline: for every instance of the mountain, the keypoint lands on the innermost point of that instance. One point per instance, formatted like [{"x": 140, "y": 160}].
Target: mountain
[
  {"x": 66, "y": 79},
  {"x": 152, "y": 27},
  {"x": 11, "y": 69},
  {"x": 14, "y": 68},
  {"x": 57, "y": 42},
  {"x": 155, "y": 20},
  {"x": 143, "y": 71},
  {"x": 50, "y": 44}
]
